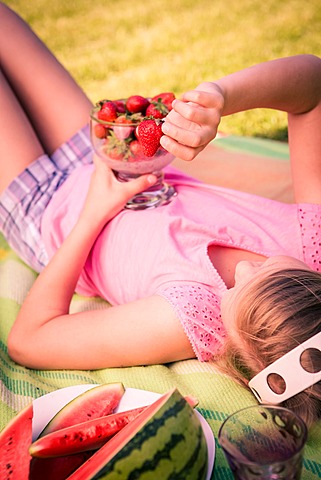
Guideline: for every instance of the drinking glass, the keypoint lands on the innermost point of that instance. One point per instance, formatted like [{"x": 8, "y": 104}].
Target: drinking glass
[{"x": 264, "y": 442}]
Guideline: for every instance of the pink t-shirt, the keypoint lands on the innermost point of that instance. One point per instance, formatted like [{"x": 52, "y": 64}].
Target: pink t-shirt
[{"x": 165, "y": 250}]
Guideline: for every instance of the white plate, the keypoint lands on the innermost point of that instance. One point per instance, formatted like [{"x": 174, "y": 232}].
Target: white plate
[{"x": 45, "y": 407}]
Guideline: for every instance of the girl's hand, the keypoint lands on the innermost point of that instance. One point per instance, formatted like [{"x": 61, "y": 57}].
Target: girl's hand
[
  {"x": 107, "y": 196},
  {"x": 193, "y": 122}
]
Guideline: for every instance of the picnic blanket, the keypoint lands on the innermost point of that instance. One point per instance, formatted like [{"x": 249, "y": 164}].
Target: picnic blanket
[{"x": 248, "y": 164}]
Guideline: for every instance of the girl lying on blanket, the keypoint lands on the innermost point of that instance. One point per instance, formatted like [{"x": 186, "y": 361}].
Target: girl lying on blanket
[{"x": 215, "y": 274}]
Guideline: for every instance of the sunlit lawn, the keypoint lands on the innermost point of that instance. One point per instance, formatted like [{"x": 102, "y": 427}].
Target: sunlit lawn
[{"x": 116, "y": 48}]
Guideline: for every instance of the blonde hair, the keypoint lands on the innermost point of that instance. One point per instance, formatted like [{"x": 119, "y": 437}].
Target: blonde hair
[{"x": 275, "y": 315}]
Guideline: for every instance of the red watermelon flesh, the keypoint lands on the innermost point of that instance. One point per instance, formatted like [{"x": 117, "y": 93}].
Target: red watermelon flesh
[{"x": 15, "y": 440}]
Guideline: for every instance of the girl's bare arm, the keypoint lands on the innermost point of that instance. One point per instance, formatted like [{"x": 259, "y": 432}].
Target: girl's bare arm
[{"x": 290, "y": 84}]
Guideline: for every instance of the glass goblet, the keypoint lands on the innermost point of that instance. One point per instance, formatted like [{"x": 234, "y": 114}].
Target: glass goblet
[{"x": 117, "y": 144}]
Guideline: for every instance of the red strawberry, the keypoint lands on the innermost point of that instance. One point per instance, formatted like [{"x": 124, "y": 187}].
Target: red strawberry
[
  {"x": 120, "y": 105},
  {"x": 108, "y": 112},
  {"x": 149, "y": 134},
  {"x": 157, "y": 110},
  {"x": 100, "y": 130},
  {"x": 160, "y": 105},
  {"x": 166, "y": 97},
  {"x": 137, "y": 103}
]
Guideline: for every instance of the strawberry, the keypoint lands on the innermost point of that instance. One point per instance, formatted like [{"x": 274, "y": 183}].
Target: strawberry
[
  {"x": 120, "y": 105},
  {"x": 100, "y": 130},
  {"x": 115, "y": 154},
  {"x": 124, "y": 119},
  {"x": 149, "y": 133},
  {"x": 166, "y": 97},
  {"x": 157, "y": 110},
  {"x": 108, "y": 112},
  {"x": 115, "y": 149},
  {"x": 136, "y": 149},
  {"x": 123, "y": 132},
  {"x": 137, "y": 103},
  {"x": 160, "y": 105}
]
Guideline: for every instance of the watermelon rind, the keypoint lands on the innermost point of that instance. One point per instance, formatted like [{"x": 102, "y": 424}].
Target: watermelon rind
[
  {"x": 93, "y": 403},
  {"x": 165, "y": 441}
]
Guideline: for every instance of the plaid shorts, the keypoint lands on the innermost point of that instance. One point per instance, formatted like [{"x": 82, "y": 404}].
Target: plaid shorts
[{"x": 23, "y": 203}]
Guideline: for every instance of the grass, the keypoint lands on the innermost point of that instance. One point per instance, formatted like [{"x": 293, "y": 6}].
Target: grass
[{"x": 116, "y": 48}]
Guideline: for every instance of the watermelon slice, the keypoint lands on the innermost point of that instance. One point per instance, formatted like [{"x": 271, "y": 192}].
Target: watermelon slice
[
  {"x": 15, "y": 440},
  {"x": 165, "y": 441},
  {"x": 93, "y": 403}
]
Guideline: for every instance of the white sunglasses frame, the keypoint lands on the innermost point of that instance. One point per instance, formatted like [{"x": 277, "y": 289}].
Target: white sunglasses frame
[{"x": 290, "y": 369}]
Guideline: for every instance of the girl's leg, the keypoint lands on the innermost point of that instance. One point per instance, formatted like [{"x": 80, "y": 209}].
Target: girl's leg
[
  {"x": 19, "y": 144},
  {"x": 54, "y": 104}
]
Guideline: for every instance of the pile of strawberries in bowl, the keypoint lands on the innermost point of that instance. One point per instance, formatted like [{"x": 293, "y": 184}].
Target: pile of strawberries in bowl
[{"x": 126, "y": 133}]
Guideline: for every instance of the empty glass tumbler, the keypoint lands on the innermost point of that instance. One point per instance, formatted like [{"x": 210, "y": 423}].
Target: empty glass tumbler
[{"x": 264, "y": 442}]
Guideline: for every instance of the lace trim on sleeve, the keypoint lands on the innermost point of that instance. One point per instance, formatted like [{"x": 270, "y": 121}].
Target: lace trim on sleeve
[
  {"x": 198, "y": 310},
  {"x": 310, "y": 224}
]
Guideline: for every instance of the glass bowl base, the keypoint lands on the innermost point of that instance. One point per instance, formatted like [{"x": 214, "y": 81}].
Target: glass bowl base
[
  {"x": 158, "y": 194},
  {"x": 152, "y": 198}
]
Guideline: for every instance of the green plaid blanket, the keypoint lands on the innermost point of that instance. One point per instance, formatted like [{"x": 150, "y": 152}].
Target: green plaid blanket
[{"x": 218, "y": 395}]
